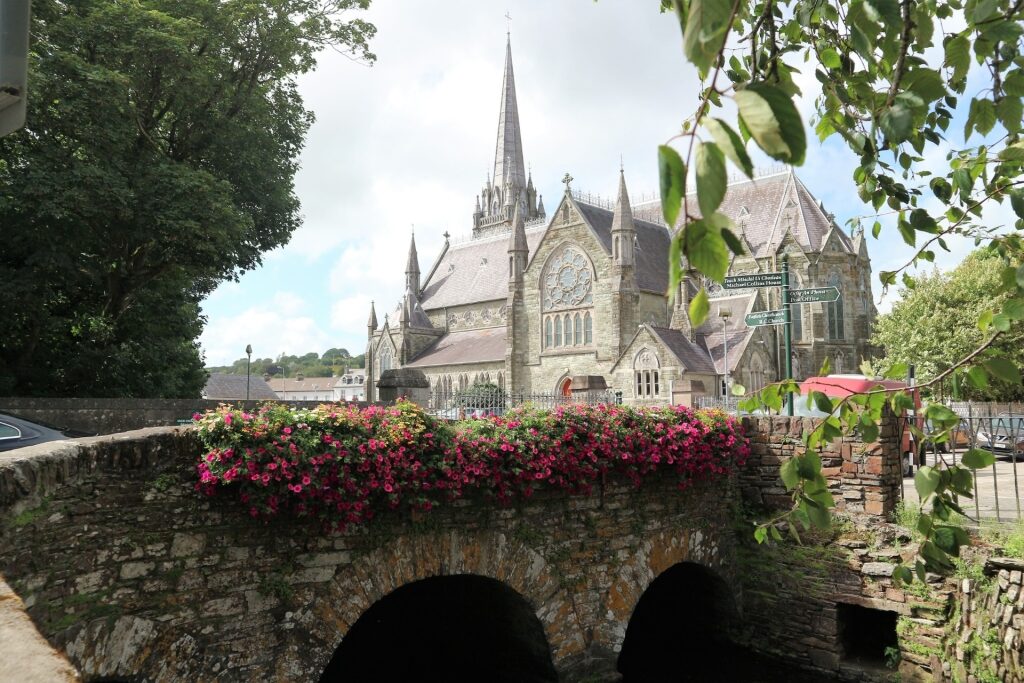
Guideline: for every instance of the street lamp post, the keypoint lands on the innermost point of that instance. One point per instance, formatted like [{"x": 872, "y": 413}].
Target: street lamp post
[
  {"x": 725, "y": 314},
  {"x": 248, "y": 360}
]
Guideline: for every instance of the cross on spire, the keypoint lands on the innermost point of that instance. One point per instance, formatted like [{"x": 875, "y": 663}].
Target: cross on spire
[
  {"x": 567, "y": 179},
  {"x": 508, "y": 23}
]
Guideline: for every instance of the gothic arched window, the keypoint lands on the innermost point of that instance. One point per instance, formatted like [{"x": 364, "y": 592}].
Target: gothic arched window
[
  {"x": 836, "y": 323},
  {"x": 386, "y": 358},
  {"x": 646, "y": 369},
  {"x": 567, "y": 298}
]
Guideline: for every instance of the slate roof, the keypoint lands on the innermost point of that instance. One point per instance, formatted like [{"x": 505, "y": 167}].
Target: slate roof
[
  {"x": 221, "y": 386},
  {"x": 763, "y": 208},
  {"x": 474, "y": 271},
  {"x": 693, "y": 357},
  {"x": 305, "y": 384},
  {"x": 465, "y": 346},
  {"x": 651, "y": 251},
  {"x": 712, "y": 338}
]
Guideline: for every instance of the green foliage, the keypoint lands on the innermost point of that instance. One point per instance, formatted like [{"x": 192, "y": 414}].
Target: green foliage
[
  {"x": 934, "y": 324},
  {"x": 332, "y": 362},
  {"x": 878, "y": 91},
  {"x": 157, "y": 161}
]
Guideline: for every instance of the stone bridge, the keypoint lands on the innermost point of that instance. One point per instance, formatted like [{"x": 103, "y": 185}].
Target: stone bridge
[{"x": 123, "y": 567}]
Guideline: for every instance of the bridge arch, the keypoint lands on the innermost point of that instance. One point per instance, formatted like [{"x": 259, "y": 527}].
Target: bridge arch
[
  {"x": 456, "y": 628},
  {"x": 683, "y": 622},
  {"x": 489, "y": 563}
]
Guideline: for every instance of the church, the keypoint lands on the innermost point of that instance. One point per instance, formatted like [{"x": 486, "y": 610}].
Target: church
[{"x": 532, "y": 300}]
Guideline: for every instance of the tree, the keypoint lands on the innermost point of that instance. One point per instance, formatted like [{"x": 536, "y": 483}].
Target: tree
[
  {"x": 882, "y": 94},
  {"x": 935, "y": 324},
  {"x": 157, "y": 161}
]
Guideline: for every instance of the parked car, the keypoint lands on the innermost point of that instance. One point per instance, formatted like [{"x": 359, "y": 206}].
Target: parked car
[
  {"x": 1003, "y": 435},
  {"x": 958, "y": 438},
  {"x": 18, "y": 433}
]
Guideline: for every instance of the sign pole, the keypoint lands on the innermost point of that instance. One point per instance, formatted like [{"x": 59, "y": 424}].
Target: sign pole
[{"x": 786, "y": 325}]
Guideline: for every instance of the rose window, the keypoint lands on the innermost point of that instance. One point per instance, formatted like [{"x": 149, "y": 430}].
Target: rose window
[
  {"x": 567, "y": 281},
  {"x": 568, "y": 300}
]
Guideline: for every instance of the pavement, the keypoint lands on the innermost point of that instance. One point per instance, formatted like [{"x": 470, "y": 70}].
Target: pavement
[{"x": 999, "y": 489}]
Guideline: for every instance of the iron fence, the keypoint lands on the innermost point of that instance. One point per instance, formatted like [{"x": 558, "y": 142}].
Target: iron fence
[
  {"x": 475, "y": 402},
  {"x": 997, "y": 489},
  {"x": 729, "y": 404}
]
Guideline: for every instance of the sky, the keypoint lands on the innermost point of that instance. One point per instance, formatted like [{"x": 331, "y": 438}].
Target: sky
[{"x": 406, "y": 144}]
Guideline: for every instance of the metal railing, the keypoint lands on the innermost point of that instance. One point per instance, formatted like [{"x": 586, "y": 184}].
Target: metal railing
[
  {"x": 729, "y": 404},
  {"x": 457, "y": 405},
  {"x": 997, "y": 489}
]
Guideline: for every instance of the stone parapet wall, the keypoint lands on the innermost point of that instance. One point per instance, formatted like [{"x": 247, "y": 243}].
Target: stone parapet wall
[
  {"x": 124, "y": 567},
  {"x": 113, "y": 415},
  {"x": 862, "y": 477}
]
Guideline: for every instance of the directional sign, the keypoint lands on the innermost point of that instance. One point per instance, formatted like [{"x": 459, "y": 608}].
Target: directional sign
[
  {"x": 765, "y": 318},
  {"x": 753, "y": 280},
  {"x": 812, "y": 294}
]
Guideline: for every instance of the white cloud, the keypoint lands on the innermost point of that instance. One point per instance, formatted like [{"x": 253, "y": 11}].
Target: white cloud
[{"x": 270, "y": 330}]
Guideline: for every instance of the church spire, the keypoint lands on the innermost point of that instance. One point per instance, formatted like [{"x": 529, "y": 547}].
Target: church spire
[
  {"x": 412, "y": 268},
  {"x": 372, "y": 322},
  {"x": 508, "y": 150},
  {"x": 623, "y": 230}
]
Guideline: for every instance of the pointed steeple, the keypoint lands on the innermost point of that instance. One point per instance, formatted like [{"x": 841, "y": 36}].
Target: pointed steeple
[
  {"x": 623, "y": 230},
  {"x": 517, "y": 240},
  {"x": 372, "y": 322},
  {"x": 412, "y": 268},
  {"x": 508, "y": 150}
]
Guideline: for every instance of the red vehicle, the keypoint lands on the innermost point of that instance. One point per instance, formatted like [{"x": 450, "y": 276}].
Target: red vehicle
[{"x": 841, "y": 386}]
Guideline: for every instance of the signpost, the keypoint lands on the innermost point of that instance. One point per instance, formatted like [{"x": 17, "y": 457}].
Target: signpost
[
  {"x": 784, "y": 315},
  {"x": 753, "y": 280},
  {"x": 813, "y": 295},
  {"x": 762, "y": 318}
]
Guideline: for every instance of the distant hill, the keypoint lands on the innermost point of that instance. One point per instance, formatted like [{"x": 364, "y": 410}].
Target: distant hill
[{"x": 331, "y": 362}]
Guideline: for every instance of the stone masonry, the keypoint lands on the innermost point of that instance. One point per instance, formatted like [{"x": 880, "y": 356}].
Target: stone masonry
[{"x": 125, "y": 568}]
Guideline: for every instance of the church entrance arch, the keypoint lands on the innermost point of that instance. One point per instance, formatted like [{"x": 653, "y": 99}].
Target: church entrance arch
[{"x": 565, "y": 387}]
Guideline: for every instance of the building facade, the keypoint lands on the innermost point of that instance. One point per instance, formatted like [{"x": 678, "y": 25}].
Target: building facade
[{"x": 531, "y": 300}]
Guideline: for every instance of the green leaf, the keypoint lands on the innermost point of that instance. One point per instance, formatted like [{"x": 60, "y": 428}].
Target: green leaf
[
  {"x": 699, "y": 308},
  {"x": 977, "y": 459},
  {"x": 830, "y": 58},
  {"x": 789, "y": 473},
  {"x": 705, "y": 249},
  {"x": 897, "y": 123},
  {"x": 735, "y": 246},
  {"x": 773, "y": 121},
  {"x": 738, "y": 390},
  {"x": 924, "y": 525},
  {"x": 926, "y": 481},
  {"x": 947, "y": 539},
  {"x": 760, "y": 534},
  {"x": 730, "y": 143},
  {"x": 958, "y": 56},
  {"x": 982, "y": 117},
  {"x": 711, "y": 177},
  {"x": 672, "y": 174},
  {"x": 821, "y": 401},
  {"x": 706, "y": 24},
  {"x": 1014, "y": 308},
  {"x": 1013, "y": 83},
  {"x": 774, "y": 531},
  {"x": 1014, "y": 152},
  {"x": 1004, "y": 369},
  {"x": 1009, "y": 111},
  {"x": 816, "y": 513},
  {"x": 1017, "y": 202},
  {"x": 925, "y": 83},
  {"x": 902, "y": 574},
  {"x": 935, "y": 557},
  {"x": 977, "y": 376},
  {"x": 1020, "y": 277}
]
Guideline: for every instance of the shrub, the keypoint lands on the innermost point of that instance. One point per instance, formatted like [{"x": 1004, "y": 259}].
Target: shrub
[{"x": 342, "y": 465}]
